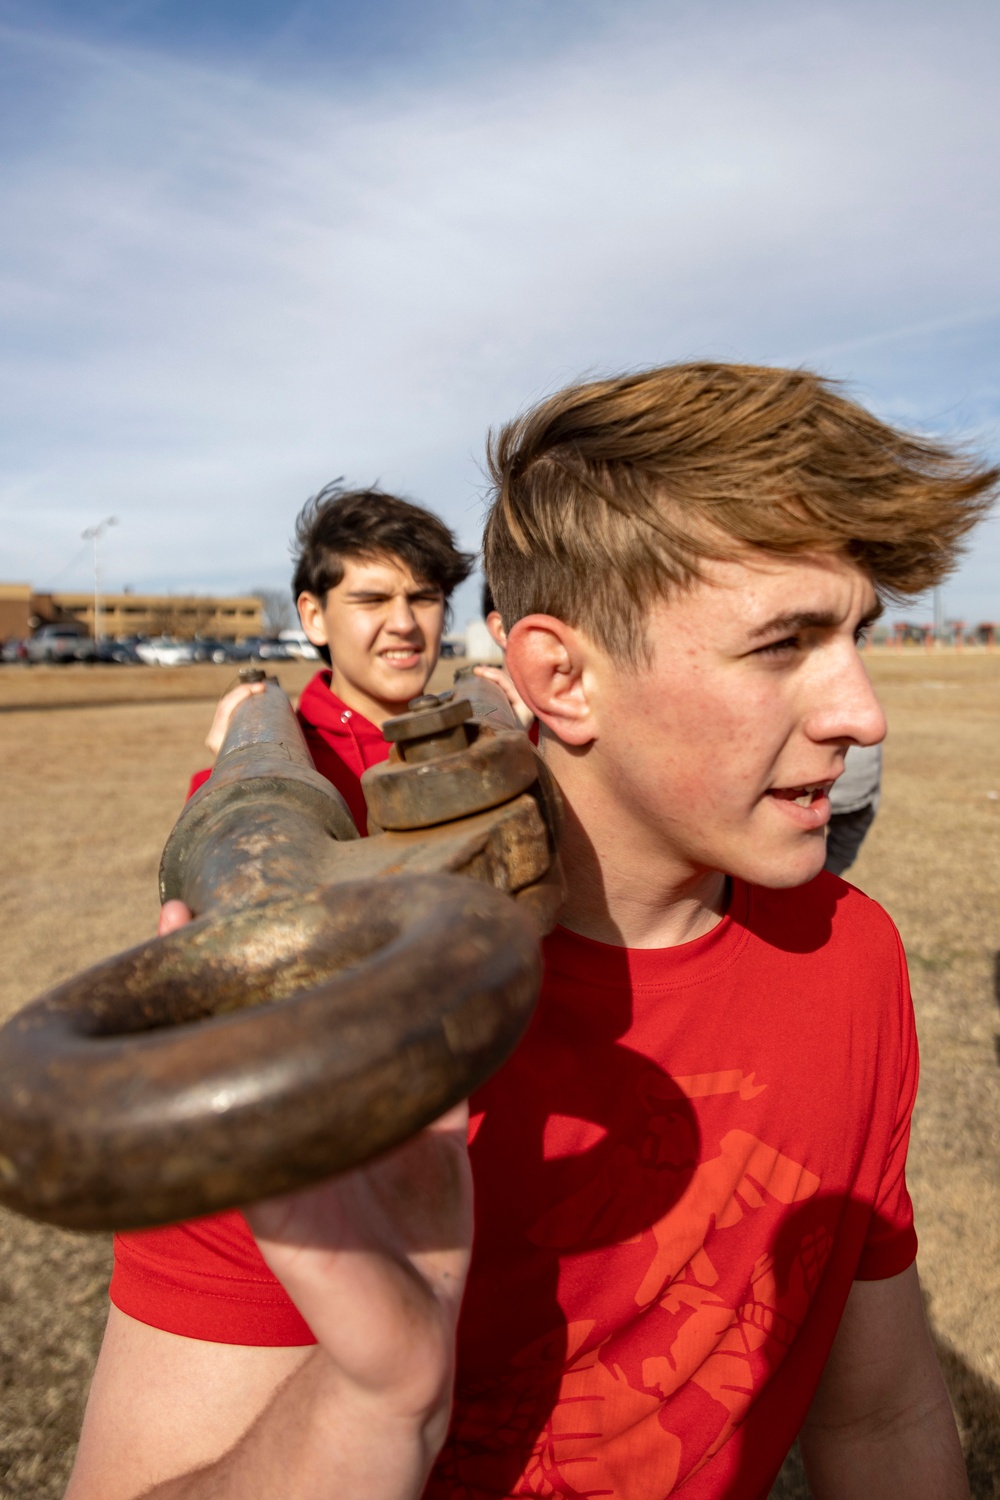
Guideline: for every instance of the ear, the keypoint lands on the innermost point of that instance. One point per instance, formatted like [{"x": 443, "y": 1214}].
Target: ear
[
  {"x": 548, "y": 660},
  {"x": 494, "y": 624},
  {"x": 311, "y": 616}
]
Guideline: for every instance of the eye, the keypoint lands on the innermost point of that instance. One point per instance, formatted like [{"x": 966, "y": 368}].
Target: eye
[{"x": 780, "y": 648}]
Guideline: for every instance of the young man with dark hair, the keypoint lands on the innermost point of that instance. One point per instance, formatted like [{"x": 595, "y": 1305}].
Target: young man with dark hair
[
  {"x": 693, "y": 1237},
  {"x": 373, "y": 577},
  {"x": 339, "y": 527}
]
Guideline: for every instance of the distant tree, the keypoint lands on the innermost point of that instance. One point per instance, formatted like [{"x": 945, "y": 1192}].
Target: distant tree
[
  {"x": 277, "y": 613},
  {"x": 181, "y": 618}
]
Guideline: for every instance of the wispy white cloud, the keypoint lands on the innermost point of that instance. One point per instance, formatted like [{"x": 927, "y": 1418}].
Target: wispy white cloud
[{"x": 221, "y": 287}]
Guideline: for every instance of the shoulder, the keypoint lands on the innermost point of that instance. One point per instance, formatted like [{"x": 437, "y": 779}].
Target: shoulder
[
  {"x": 828, "y": 906},
  {"x": 835, "y": 927}
]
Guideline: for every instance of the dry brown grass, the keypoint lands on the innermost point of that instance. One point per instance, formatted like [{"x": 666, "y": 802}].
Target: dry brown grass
[
  {"x": 90, "y": 794},
  {"x": 76, "y": 685},
  {"x": 933, "y": 860}
]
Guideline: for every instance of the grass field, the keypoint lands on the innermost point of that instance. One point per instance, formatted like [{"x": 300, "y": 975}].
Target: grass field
[{"x": 95, "y": 763}]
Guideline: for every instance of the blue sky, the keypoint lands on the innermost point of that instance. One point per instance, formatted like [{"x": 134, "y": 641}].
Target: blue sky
[{"x": 246, "y": 248}]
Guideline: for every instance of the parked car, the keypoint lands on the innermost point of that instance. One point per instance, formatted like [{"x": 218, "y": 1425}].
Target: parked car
[
  {"x": 122, "y": 652},
  {"x": 267, "y": 648},
  {"x": 14, "y": 650},
  {"x": 210, "y": 650},
  {"x": 259, "y": 648},
  {"x": 163, "y": 651},
  {"x": 239, "y": 651},
  {"x": 67, "y": 642},
  {"x": 298, "y": 645}
]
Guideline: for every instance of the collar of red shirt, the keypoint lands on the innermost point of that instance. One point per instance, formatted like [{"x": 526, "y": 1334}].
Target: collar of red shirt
[{"x": 356, "y": 739}]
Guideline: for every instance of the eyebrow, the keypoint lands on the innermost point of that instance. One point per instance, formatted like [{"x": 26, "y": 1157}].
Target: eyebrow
[{"x": 809, "y": 619}]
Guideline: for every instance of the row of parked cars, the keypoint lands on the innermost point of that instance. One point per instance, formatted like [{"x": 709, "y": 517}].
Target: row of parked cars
[{"x": 66, "y": 643}]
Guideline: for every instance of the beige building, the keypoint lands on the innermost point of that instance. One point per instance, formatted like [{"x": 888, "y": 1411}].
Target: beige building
[
  {"x": 15, "y": 610},
  {"x": 184, "y": 616}
]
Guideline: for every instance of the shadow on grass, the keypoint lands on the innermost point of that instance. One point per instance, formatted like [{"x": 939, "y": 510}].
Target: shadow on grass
[{"x": 977, "y": 1406}]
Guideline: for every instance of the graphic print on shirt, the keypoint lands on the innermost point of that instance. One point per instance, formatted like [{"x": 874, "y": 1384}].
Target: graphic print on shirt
[{"x": 688, "y": 1357}]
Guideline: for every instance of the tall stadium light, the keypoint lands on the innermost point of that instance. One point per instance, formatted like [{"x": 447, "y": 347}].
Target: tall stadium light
[{"x": 94, "y": 534}]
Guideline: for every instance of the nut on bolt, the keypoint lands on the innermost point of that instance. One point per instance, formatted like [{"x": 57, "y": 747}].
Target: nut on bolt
[{"x": 433, "y": 727}]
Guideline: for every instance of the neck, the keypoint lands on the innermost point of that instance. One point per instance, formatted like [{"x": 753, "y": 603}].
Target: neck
[{"x": 626, "y": 887}]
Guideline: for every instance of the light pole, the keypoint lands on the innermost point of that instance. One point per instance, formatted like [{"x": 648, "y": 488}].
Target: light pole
[{"x": 94, "y": 534}]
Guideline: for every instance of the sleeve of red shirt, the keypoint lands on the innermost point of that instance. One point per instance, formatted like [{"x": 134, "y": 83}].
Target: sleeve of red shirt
[
  {"x": 891, "y": 1245},
  {"x": 205, "y": 1279},
  {"x": 198, "y": 779}
]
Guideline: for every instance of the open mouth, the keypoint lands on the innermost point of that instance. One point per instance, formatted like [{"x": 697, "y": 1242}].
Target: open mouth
[{"x": 803, "y": 796}]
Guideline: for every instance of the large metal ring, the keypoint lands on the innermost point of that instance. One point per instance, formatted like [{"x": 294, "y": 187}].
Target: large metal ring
[{"x": 138, "y": 1094}]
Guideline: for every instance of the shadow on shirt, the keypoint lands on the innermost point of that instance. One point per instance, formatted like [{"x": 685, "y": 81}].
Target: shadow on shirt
[
  {"x": 550, "y": 1211},
  {"x": 513, "y": 1338}
]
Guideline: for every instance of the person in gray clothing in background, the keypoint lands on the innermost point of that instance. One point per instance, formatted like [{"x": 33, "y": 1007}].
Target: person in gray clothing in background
[{"x": 854, "y": 799}]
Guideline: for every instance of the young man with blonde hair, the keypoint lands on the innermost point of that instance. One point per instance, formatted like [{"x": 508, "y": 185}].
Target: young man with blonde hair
[{"x": 693, "y": 1237}]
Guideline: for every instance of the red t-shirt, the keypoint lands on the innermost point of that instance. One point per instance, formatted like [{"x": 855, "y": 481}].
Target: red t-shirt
[{"x": 679, "y": 1173}]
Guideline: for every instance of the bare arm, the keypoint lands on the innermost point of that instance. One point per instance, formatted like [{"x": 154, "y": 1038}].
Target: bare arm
[
  {"x": 881, "y": 1422},
  {"x": 160, "y": 1404},
  {"x": 376, "y": 1263}
]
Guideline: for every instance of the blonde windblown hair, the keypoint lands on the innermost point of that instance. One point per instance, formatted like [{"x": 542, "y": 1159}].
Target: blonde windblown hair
[{"x": 610, "y": 494}]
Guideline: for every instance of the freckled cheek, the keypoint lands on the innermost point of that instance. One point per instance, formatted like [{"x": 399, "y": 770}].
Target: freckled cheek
[
  {"x": 707, "y": 756},
  {"x": 427, "y": 627},
  {"x": 707, "y": 727},
  {"x": 670, "y": 759}
]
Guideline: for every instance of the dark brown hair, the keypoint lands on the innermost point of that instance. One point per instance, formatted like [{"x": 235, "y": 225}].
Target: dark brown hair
[
  {"x": 611, "y": 494},
  {"x": 337, "y": 524}
]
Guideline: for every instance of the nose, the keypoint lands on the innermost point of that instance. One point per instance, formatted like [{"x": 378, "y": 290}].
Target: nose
[
  {"x": 846, "y": 706},
  {"x": 400, "y": 619}
]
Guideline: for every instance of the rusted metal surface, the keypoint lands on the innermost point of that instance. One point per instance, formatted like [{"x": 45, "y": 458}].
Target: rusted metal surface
[
  {"x": 332, "y": 996},
  {"x": 486, "y": 771},
  {"x": 450, "y": 759},
  {"x": 433, "y": 727}
]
